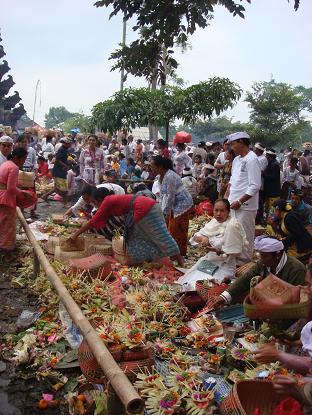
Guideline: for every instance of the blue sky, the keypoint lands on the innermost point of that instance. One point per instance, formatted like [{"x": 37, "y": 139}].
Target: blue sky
[{"x": 66, "y": 44}]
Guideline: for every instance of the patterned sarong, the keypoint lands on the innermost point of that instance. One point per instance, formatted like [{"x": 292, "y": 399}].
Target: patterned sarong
[{"x": 150, "y": 239}]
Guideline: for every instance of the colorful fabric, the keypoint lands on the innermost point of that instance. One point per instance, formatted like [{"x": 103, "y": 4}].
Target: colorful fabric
[
  {"x": 8, "y": 222},
  {"x": 150, "y": 239},
  {"x": 8, "y": 180},
  {"x": 119, "y": 205},
  {"x": 59, "y": 169},
  {"x": 91, "y": 165},
  {"x": 178, "y": 228},
  {"x": 174, "y": 198},
  {"x": 60, "y": 184}
]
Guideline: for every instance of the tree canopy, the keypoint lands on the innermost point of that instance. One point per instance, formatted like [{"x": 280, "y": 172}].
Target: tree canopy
[
  {"x": 56, "y": 116},
  {"x": 160, "y": 25},
  {"x": 276, "y": 111},
  {"x": 78, "y": 120},
  {"x": 138, "y": 107}
]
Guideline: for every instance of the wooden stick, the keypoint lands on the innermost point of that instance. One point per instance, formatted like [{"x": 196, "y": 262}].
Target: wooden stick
[{"x": 120, "y": 383}]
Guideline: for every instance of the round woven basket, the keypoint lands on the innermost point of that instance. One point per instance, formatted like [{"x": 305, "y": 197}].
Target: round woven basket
[
  {"x": 248, "y": 395},
  {"x": 130, "y": 362}
]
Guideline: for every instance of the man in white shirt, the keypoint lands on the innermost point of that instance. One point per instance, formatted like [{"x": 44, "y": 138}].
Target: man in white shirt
[
  {"x": 6, "y": 146},
  {"x": 243, "y": 188}
]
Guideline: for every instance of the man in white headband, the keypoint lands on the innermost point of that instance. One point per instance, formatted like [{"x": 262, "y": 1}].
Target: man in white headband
[
  {"x": 6, "y": 147},
  {"x": 273, "y": 260},
  {"x": 243, "y": 188}
]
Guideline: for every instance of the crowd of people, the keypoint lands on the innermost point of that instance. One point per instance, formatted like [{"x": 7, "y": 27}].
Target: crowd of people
[
  {"x": 150, "y": 191},
  {"x": 261, "y": 186}
]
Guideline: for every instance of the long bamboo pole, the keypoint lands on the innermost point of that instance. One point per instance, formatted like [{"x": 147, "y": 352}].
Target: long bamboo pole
[{"x": 120, "y": 383}]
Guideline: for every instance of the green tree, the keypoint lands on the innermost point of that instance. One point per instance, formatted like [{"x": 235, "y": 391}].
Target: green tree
[
  {"x": 276, "y": 112},
  {"x": 78, "y": 120},
  {"x": 142, "y": 106},
  {"x": 56, "y": 116},
  {"x": 162, "y": 24}
]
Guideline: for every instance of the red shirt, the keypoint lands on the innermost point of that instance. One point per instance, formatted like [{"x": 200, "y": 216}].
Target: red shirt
[
  {"x": 119, "y": 205},
  {"x": 43, "y": 169}
]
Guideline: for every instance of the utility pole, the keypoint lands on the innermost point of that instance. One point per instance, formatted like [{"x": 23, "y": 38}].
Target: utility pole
[
  {"x": 123, "y": 42},
  {"x": 35, "y": 101}
]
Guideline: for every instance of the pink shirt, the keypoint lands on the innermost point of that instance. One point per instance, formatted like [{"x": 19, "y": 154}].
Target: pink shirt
[{"x": 8, "y": 177}]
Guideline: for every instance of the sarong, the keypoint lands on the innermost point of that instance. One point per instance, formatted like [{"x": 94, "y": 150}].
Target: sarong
[
  {"x": 60, "y": 184},
  {"x": 8, "y": 228},
  {"x": 150, "y": 239},
  {"x": 178, "y": 228}
]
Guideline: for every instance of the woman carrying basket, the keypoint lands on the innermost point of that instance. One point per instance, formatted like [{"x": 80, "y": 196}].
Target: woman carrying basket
[{"x": 146, "y": 236}]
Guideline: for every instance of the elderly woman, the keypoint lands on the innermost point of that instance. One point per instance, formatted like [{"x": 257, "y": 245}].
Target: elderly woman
[
  {"x": 146, "y": 238},
  {"x": 176, "y": 202},
  {"x": 10, "y": 197},
  {"x": 224, "y": 239},
  {"x": 91, "y": 162}
]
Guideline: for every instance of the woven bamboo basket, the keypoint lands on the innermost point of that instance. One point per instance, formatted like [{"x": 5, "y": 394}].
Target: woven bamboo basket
[
  {"x": 26, "y": 180},
  {"x": 136, "y": 361},
  {"x": 248, "y": 395},
  {"x": 51, "y": 244},
  {"x": 58, "y": 218},
  {"x": 281, "y": 312},
  {"x": 119, "y": 252},
  {"x": 62, "y": 256},
  {"x": 67, "y": 245},
  {"x": 244, "y": 268},
  {"x": 208, "y": 293},
  {"x": 100, "y": 249}
]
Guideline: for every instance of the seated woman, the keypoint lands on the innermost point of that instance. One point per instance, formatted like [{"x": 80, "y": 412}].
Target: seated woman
[
  {"x": 288, "y": 226},
  {"x": 300, "y": 207},
  {"x": 224, "y": 239},
  {"x": 147, "y": 238}
]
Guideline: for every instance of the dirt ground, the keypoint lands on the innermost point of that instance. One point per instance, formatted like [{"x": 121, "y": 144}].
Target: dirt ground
[{"x": 20, "y": 392}]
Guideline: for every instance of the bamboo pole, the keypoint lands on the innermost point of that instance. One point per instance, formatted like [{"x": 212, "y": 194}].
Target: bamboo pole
[{"x": 120, "y": 383}]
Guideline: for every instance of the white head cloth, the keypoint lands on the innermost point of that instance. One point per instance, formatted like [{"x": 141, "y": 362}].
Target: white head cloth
[
  {"x": 264, "y": 243},
  {"x": 6, "y": 139},
  {"x": 259, "y": 147},
  {"x": 237, "y": 136}
]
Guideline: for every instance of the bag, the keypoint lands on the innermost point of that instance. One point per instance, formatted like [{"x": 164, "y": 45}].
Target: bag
[
  {"x": 182, "y": 137},
  {"x": 273, "y": 291},
  {"x": 288, "y": 406},
  {"x": 129, "y": 222},
  {"x": 207, "y": 267}
]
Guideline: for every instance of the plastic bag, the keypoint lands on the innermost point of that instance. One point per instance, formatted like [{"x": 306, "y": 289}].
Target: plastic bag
[
  {"x": 72, "y": 333},
  {"x": 288, "y": 406}
]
